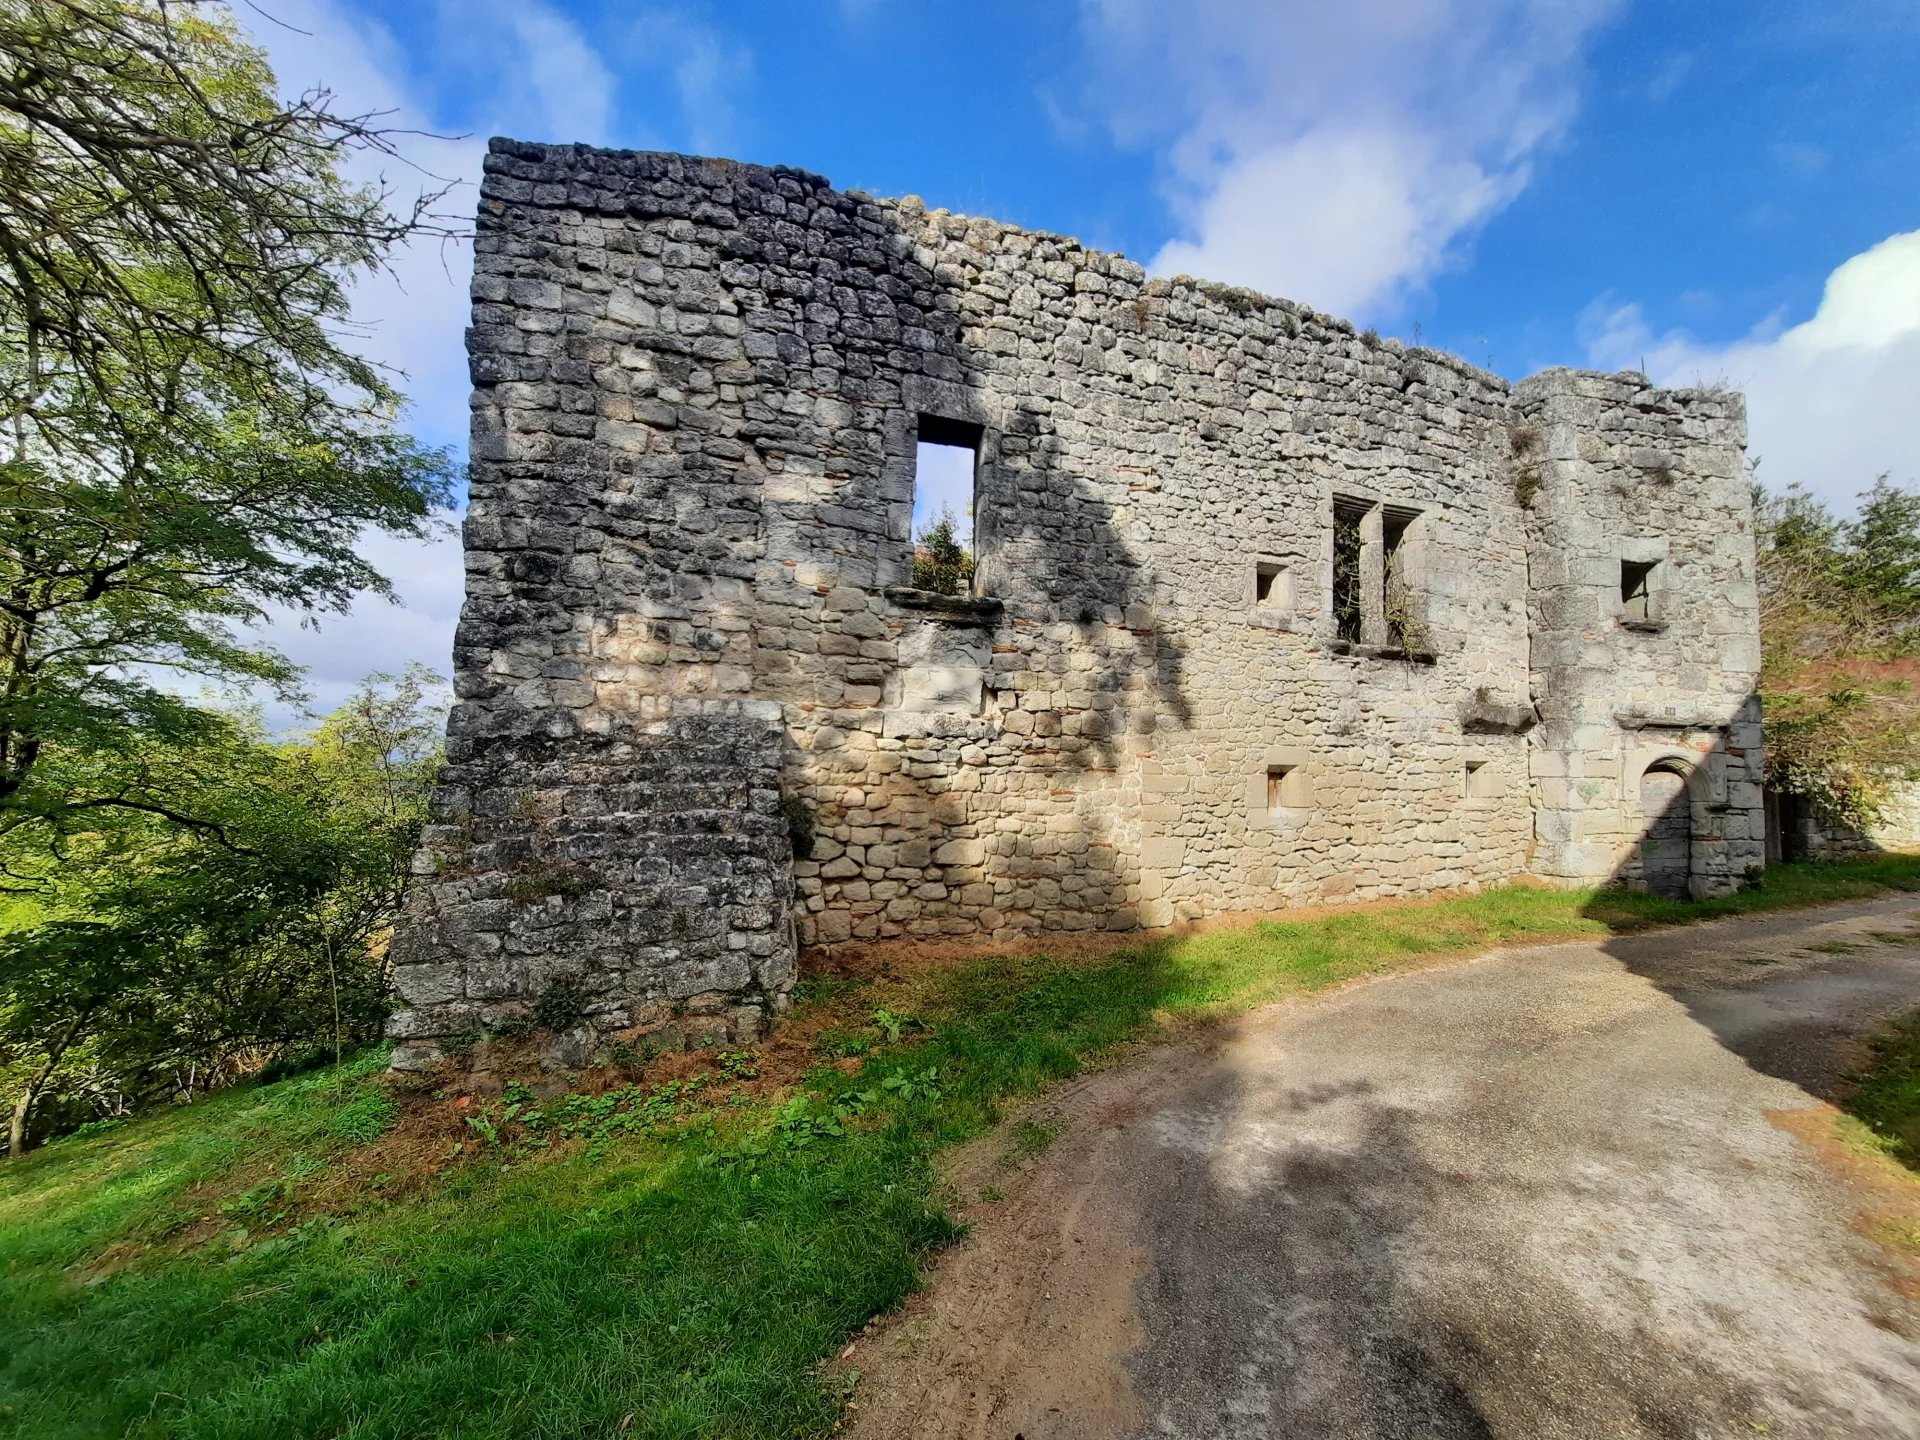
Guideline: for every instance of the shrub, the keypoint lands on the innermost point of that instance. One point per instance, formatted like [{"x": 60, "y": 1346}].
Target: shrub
[
  {"x": 940, "y": 562},
  {"x": 561, "y": 1006}
]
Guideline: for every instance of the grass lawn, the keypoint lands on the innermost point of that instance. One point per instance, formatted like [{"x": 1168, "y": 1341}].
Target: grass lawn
[
  {"x": 671, "y": 1253},
  {"x": 1886, "y": 1097}
]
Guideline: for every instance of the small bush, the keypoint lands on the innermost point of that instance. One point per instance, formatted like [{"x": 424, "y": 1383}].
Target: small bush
[
  {"x": 1526, "y": 486},
  {"x": 561, "y": 1006},
  {"x": 512, "y": 1027},
  {"x": 294, "y": 1062},
  {"x": 940, "y": 562}
]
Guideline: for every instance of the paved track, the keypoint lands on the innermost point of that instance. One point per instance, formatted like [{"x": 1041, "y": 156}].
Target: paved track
[{"x": 1553, "y": 1192}]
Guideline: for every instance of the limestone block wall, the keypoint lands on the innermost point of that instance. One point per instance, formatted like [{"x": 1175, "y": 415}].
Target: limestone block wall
[
  {"x": 1814, "y": 838},
  {"x": 1640, "y": 489},
  {"x": 589, "y": 885},
  {"x": 1251, "y": 623},
  {"x": 1899, "y": 826}
]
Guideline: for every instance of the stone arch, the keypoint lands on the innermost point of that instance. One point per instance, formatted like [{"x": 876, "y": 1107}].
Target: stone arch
[{"x": 1667, "y": 795}]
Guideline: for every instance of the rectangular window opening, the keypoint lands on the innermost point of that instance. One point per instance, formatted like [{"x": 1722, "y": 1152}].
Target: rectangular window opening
[
  {"x": 1349, "y": 584},
  {"x": 1477, "y": 781},
  {"x": 1287, "y": 788},
  {"x": 946, "y": 464},
  {"x": 1272, "y": 587},
  {"x": 1636, "y": 590}
]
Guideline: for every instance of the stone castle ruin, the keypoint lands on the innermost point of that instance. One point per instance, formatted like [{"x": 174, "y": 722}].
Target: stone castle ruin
[{"x": 1265, "y": 611}]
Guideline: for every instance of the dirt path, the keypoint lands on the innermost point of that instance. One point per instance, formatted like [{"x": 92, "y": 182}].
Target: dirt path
[{"x": 1552, "y": 1192}]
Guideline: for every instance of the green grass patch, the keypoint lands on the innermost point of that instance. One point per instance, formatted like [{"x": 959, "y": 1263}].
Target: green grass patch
[
  {"x": 1027, "y": 1138},
  {"x": 676, "y": 1257},
  {"x": 1885, "y": 1098}
]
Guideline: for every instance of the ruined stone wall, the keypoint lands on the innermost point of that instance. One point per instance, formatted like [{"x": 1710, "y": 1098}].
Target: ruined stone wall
[
  {"x": 1899, "y": 825},
  {"x": 1814, "y": 838},
  {"x": 1629, "y": 481},
  {"x": 698, "y": 387}
]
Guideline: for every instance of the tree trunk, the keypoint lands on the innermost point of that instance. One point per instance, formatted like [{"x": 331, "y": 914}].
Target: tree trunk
[{"x": 17, "y": 1128}]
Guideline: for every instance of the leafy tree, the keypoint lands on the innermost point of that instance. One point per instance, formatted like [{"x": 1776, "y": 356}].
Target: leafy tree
[
  {"x": 1840, "y": 646},
  {"x": 165, "y": 959},
  {"x": 940, "y": 562},
  {"x": 186, "y": 435}
]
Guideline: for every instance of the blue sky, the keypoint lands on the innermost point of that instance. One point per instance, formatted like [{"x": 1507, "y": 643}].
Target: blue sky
[{"x": 1722, "y": 191}]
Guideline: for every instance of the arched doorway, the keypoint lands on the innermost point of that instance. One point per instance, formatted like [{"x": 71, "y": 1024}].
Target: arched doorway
[{"x": 1666, "y": 831}]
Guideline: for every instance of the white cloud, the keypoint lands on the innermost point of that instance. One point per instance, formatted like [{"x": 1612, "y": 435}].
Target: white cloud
[
  {"x": 1337, "y": 154},
  {"x": 1829, "y": 401},
  {"x": 708, "y": 72},
  {"x": 534, "y": 64}
]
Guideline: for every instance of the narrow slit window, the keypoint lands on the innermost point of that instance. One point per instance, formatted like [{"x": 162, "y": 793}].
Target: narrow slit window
[
  {"x": 1286, "y": 788},
  {"x": 1349, "y": 585},
  {"x": 946, "y": 461},
  {"x": 1636, "y": 590}
]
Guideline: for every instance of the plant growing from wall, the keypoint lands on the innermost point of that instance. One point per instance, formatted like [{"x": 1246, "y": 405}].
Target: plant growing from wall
[
  {"x": 1348, "y": 602},
  {"x": 940, "y": 562},
  {"x": 802, "y": 823},
  {"x": 1405, "y": 624},
  {"x": 561, "y": 1006},
  {"x": 536, "y": 879},
  {"x": 1524, "y": 441}
]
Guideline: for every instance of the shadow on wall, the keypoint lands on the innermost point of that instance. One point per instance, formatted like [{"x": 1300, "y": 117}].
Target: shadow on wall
[
  {"x": 969, "y": 766},
  {"x": 1692, "y": 815},
  {"x": 1678, "y": 856}
]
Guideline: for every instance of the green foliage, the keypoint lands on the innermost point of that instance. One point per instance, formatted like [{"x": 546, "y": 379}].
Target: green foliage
[
  {"x": 647, "y": 1252},
  {"x": 1840, "y": 640},
  {"x": 536, "y": 879},
  {"x": 1524, "y": 441},
  {"x": 460, "y": 1048},
  {"x": 1886, "y": 1095},
  {"x": 1029, "y": 1137},
  {"x": 187, "y": 439},
  {"x": 561, "y": 1006},
  {"x": 801, "y": 823},
  {"x": 893, "y": 1025},
  {"x": 940, "y": 562},
  {"x": 164, "y": 960},
  {"x": 1348, "y": 547}
]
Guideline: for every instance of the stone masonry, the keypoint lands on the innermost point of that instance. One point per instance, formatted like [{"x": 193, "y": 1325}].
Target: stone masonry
[{"x": 1266, "y": 611}]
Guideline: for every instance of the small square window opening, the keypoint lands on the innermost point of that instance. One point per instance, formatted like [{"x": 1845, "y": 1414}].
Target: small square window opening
[
  {"x": 1272, "y": 588},
  {"x": 1287, "y": 788},
  {"x": 1478, "y": 781}
]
